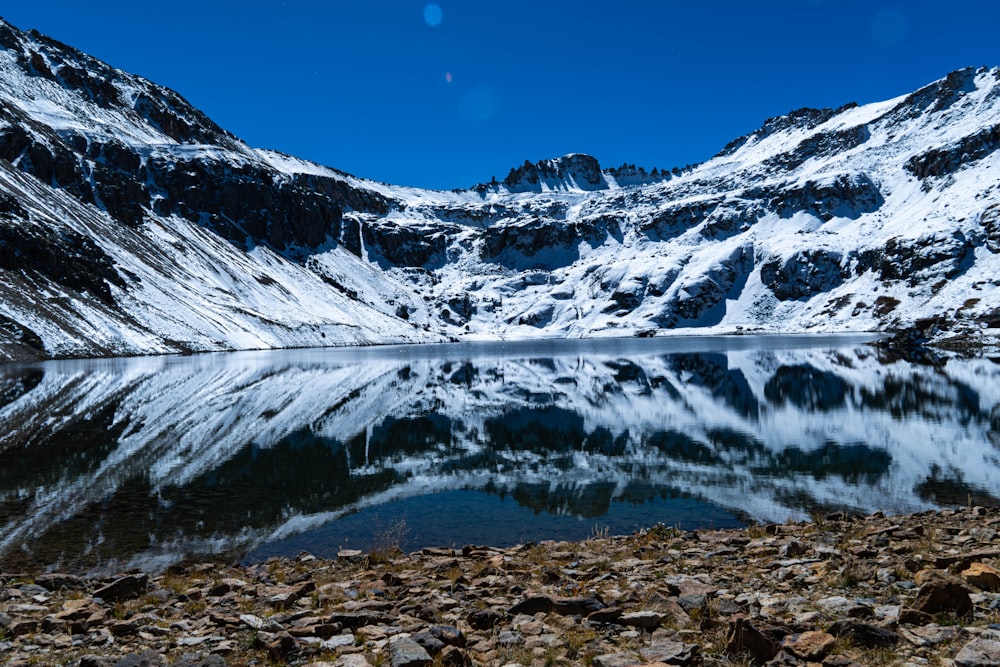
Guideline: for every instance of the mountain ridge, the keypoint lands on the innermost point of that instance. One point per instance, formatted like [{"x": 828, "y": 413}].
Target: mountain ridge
[{"x": 143, "y": 227}]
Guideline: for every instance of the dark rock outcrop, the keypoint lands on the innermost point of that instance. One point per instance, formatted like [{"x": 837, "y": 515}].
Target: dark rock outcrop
[
  {"x": 804, "y": 274},
  {"x": 948, "y": 159},
  {"x": 570, "y": 171}
]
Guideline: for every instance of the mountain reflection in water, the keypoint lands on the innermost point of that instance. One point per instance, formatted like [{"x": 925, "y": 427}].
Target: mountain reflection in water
[{"x": 142, "y": 462}]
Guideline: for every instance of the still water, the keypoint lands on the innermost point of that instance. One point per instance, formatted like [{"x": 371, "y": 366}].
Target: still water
[{"x": 143, "y": 462}]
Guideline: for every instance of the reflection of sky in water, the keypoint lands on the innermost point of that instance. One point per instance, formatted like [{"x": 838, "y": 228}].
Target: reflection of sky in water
[{"x": 144, "y": 460}]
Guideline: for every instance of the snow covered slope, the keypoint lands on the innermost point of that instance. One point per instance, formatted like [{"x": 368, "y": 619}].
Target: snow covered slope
[{"x": 131, "y": 223}]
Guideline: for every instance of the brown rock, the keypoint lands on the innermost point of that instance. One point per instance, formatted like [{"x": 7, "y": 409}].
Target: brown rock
[
  {"x": 606, "y": 615},
  {"x": 59, "y": 582},
  {"x": 982, "y": 576},
  {"x": 452, "y": 656},
  {"x": 222, "y": 619},
  {"x": 941, "y": 592},
  {"x": 25, "y": 627},
  {"x": 909, "y": 616},
  {"x": 864, "y": 634},
  {"x": 647, "y": 620},
  {"x": 757, "y": 639},
  {"x": 285, "y": 598},
  {"x": 281, "y": 646},
  {"x": 125, "y": 628},
  {"x": 484, "y": 619},
  {"x": 125, "y": 588},
  {"x": 812, "y": 645}
]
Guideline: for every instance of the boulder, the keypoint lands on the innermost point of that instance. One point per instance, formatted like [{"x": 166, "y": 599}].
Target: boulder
[
  {"x": 982, "y": 576},
  {"x": 979, "y": 653},
  {"x": 125, "y": 588}
]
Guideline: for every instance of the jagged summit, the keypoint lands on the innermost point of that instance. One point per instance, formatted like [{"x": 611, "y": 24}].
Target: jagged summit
[
  {"x": 572, "y": 172},
  {"x": 131, "y": 223}
]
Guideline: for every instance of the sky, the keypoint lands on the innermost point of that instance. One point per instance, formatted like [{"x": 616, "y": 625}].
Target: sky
[{"x": 452, "y": 93}]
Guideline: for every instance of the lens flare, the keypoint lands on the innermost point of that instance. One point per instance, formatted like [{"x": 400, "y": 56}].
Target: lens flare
[{"x": 433, "y": 15}]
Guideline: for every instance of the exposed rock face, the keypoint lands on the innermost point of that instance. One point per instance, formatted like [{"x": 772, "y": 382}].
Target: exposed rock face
[
  {"x": 804, "y": 273},
  {"x": 67, "y": 258},
  {"x": 948, "y": 159},
  {"x": 556, "y": 239},
  {"x": 846, "y": 196},
  {"x": 576, "y": 171},
  {"x": 991, "y": 226},
  {"x": 924, "y": 259}
]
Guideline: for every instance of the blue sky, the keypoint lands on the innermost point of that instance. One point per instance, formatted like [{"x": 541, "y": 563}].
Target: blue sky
[{"x": 449, "y": 95}]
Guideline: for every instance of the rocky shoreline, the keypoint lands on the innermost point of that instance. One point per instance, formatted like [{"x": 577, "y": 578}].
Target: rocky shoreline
[{"x": 913, "y": 590}]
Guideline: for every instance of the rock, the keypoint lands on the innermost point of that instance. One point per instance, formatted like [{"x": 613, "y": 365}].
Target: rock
[
  {"x": 941, "y": 592},
  {"x": 95, "y": 661},
  {"x": 198, "y": 660},
  {"x": 350, "y": 660},
  {"x": 448, "y": 634},
  {"x": 146, "y": 659},
  {"x": 281, "y": 646},
  {"x": 25, "y": 627},
  {"x": 405, "y": 652},
  {"x": 982, "y": 576},
  {"x": 56, "y": 582},
  {"x": 930, "y": 635},
  {"x": 756, "y": 638},
  {"x": 484, "y": 619},
  {"x": 355, "y": 620},
  {"x": 289, "y": 596},
  {"x": 692, "y": 601},
  {"x": 431, "y": 644},
  {"x": 509, "y": 639},
  {"x": 839, "y": 661},
  {"x": 606, "y": 615},
  {"x": 614, "y": 660},
  {"x": 337, "y": 641},
  {"x": 452, "y": 656},
  {"x": 811, "y": 646},
  {"x": 979, "y": 653},
  {"x": 864, "y": 634},
  {"x": 125, "y": 628},
  {"x": 575, "y": 606},
  {"x": 670, "y": 653},
  {"x": 125, "y": 588},
  {"x": 804, "y": 273},
  {"x": 908, "y": 616},
  {"x": 251, "y": 621},
  {"x": 647, "y": 620},
  {"x": 539, "y": 604}
]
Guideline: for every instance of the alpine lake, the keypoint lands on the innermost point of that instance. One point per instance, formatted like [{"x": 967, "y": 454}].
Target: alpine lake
[{"x": 145, "y": 462}]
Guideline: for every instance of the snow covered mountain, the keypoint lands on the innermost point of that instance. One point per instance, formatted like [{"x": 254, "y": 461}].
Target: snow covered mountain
[{"x": 131, "y": 223}]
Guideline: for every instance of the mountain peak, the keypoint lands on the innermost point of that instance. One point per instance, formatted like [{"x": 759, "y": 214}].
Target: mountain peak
[{"x": 574, "y": 171}]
